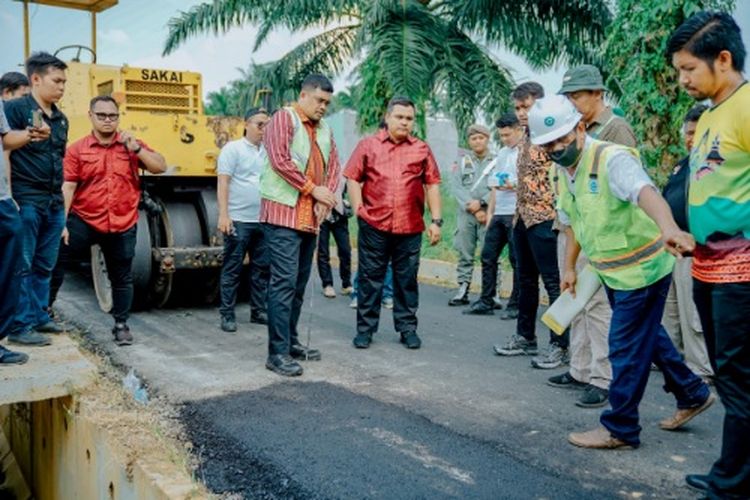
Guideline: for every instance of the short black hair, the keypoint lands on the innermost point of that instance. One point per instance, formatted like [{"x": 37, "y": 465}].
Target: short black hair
[
  {"x": 12, "y": 81},
  {"x": 705, "y": 35},
  {"x": 102, "y": 98},
  {"x": 40, "y": 62},
  {"x": 400, "y": 100},
  {"x": 507, "y": 120},
  {"x": 317, "y": 81},
  {"x": 526, "y": 90},
  {"x": 694, "y": 114},
  {"x": 256, "y": 111}
]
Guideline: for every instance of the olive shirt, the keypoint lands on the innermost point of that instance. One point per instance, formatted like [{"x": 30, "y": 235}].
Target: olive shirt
[
  {"x": 611, "y": 128},
  {"x": 468, "y": 178}
]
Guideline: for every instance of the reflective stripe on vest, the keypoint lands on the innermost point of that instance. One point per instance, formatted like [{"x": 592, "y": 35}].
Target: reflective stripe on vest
[{"x": 634, "y": 257}]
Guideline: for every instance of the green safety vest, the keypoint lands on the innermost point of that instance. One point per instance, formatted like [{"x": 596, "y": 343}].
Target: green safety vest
[
  {"x": 623, "y": 244},
  {"x": 272, "y": 186}
]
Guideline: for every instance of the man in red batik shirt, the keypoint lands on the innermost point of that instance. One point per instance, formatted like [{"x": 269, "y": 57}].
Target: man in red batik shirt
[
  {"x": 101, "y": 190},
  {"x": 388, "y": 175},
  {"x": 297, "y": 189}
]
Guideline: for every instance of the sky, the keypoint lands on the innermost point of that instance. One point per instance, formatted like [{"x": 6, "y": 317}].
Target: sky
[{"x": 134, "y": 31}]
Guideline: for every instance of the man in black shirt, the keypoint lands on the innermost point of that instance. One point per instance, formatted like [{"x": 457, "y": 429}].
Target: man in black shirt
[
  {"x": 36, "y": 184},
  {"x": 680, "y": 315}
]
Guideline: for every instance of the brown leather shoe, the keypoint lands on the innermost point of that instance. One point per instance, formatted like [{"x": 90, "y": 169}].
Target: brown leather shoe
[
  {"x": 685, "y": 415},
  {"x": 599, "y": 439}
]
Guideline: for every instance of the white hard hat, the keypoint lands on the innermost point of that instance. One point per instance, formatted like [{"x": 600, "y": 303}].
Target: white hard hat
[{"x": 551, "y": 118}]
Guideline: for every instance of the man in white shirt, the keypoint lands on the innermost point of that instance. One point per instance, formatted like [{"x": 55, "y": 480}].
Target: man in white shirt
[
  {"x": 239, "y": 166},
  {"x": 502, "y": 205}
]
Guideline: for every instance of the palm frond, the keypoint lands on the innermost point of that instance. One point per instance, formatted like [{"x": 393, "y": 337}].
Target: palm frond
[
  {"x": 219, "y": 16},
  {"x": 327, "y": 53},
  {"x": 544, "y": 32},
  {"x": 470, "y": 80},
  {"x": 404, "y": 38}
]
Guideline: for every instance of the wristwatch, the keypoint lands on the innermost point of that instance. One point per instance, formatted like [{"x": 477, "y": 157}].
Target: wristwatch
[{"x": 438, "y": 222}]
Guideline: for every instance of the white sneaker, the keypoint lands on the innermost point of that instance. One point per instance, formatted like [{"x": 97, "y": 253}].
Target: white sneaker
[
  {"x": 388, "y": 303},
  {"x": 353, "y": 303},
  {"x": 329, "y": 292}
]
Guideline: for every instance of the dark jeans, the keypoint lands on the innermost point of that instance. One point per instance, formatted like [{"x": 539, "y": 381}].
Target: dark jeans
[
  {"x": 499, "y": 234},
  {"x": 290, "y": 256},
  {"x": 636, "y": 339},
  {"x": 376, "y": 249},
  {"x": 248, "y": 237},
  {"x": 340, "y": 231},
  {"x": 10, "y": 257},
  {"x": 536, "y": 254},
  {"x": 118, "y": 250},
  {"x": 723, "y": 309},
  {"x": 40, "y": 241}
]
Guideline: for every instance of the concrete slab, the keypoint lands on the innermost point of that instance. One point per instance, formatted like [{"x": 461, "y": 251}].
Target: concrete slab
[{"x": 53, "y": 371}]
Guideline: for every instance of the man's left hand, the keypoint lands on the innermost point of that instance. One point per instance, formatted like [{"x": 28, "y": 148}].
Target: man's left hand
[
  {"x": 433, "y": 233},
  {"x": 129, "y": 141}
]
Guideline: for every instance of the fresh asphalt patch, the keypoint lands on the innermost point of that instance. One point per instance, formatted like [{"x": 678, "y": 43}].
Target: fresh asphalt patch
[{"x": 315, "y": 440}]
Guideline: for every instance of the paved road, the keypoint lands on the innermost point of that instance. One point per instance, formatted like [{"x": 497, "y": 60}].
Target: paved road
[{"x": 451, "y": 420}]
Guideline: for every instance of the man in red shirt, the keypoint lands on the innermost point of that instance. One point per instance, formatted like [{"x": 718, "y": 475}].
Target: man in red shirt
[
  {"x": 297, "y": 187},
  {"x": 388, "y": 175},
  {"x": 101, "y": 190}
]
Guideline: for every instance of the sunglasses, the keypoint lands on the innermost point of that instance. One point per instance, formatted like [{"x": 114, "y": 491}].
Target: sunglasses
[{"x": 107, "y": 117}]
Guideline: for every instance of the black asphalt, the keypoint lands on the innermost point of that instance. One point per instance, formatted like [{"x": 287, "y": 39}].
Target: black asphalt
[{"x": 451, "y": 420}]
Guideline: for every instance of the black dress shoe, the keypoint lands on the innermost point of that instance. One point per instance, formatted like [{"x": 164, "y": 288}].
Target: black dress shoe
[
  {"x": 411, "y": 340},
  {"x": 698, "y": 482},
  {"x": 298, "y": 351},
  {"x": 362, "y": 340},
  {"x": 480, "y": 308},
  {"x": 228, "y": 325},
  {"x": 283, "y": 364},
  {"x": 259, "y": 317}
]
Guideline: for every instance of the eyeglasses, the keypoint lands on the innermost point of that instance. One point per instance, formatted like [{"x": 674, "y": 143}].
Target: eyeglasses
[
  {"x": 260, "y": 125},
  {"x": 107, "y": 117}
]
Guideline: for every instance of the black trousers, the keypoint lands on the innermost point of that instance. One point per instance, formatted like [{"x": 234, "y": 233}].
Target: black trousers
[
  {"x": 340, "y": 230},
  {"x": 536, "y": 254},
  {"x": 723, "y": 309},
  {"x": 118, "y": 250},
  {"x": 499, "y": 233},
  {"x": 10, "y": 257},
  {"x": 247, "y": 238},
  {"x": 376, "y": 249},
  {"x": 290, "y": 256}
]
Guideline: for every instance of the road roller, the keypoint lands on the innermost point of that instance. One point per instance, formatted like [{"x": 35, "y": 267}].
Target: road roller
[{"x": 179, "y": 249}]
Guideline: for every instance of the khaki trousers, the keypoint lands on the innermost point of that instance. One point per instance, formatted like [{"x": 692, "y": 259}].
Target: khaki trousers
[
  {"x": 589, "y": 332},
  {"x": 682, "y": 322}
]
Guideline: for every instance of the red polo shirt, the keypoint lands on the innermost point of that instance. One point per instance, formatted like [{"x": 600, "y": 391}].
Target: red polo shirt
[
  {"x": 108, "y": 189},
  {"x": 393, "y": 178}
]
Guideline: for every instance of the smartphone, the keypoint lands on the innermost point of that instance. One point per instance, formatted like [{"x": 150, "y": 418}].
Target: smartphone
[{"x": 36, "y": 118}]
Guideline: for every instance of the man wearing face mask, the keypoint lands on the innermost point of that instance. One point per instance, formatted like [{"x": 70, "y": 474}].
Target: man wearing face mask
[{"x": 627, "y": 230}]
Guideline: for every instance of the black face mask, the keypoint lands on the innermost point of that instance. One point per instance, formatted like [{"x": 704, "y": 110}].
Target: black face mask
[{"x": 566, "y": 157}]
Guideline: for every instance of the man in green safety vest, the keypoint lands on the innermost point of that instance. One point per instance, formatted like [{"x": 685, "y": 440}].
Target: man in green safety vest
[{"x": 620, "y": 220}]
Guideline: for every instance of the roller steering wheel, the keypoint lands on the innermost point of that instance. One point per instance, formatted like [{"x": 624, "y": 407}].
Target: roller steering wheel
[{"x": 80, "y": 48}]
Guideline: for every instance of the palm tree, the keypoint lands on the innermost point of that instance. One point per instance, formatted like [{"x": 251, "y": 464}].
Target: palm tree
[{"x": 430, "y": 50}]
